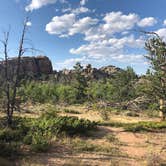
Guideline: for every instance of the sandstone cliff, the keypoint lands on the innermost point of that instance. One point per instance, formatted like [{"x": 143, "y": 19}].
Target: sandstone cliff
[{"x": 30, "y": 65}]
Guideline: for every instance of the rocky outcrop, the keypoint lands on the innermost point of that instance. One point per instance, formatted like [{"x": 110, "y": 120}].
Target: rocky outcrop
[
  {"x": 30, "y": 65},
  {"x": 89, "y": 72}
]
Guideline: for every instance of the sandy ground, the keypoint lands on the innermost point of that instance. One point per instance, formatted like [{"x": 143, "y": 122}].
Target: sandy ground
[{"x": 139, "y": 149}]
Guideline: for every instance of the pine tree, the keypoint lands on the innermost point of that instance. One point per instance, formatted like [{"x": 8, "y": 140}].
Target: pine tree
[
  {"x": 157, "y": 58},
  {"x": 80, "y": 83}
]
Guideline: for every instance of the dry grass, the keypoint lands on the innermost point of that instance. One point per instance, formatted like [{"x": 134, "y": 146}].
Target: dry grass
[{"x": 98, "y": 147}]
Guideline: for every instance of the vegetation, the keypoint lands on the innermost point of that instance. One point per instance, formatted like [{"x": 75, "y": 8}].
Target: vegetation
[
  {"x": 157, "y": 57},
  {"x": 11, "y": 81},
  {"x": 105, "y": 97},
  {"x": 39, "y": 133}
]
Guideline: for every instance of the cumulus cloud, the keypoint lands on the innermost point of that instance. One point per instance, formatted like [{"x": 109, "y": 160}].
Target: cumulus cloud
[
  {"x": 148, "y": 21},
  {"x": 118, "y": 22},
  {"x": 68, "y": 25},
  {"x": 112, "y": 48},
  {"x": 36, "y": 4},
  {"x": 82, "y": 25},
  {"x": 60, "y": 24},
  {"x": 107, "y": 39}
]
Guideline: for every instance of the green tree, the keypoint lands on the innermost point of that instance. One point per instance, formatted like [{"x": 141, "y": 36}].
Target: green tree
[
  {"x": 156, "y": 48},
  {"x": 80, "y": 83},
  {"x": 123, "y": 85}
]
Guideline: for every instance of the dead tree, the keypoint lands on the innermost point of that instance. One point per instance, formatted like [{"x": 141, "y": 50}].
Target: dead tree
[{"x": 12, "y": 78}]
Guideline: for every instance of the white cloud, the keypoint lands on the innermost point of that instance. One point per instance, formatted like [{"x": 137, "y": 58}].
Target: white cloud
[
  {"x": 67, "y": 25},
  {"x": 36, "y": 4},
  {"x": 129, "y": 58},
  {"x": 69, "y": 63},
  {"x": 110, "y": 48},
  {"x": 107, "y": 39},
  {"x": 118, "y": 22},
  {"x": 29, "y": 24},
  {"x": 82, "y": 25},
  {"x": 60, "y": 24},
  {"x": 164, "y": 22},
  {"x": 83, "y": 2},
  {"x": 148, "y": 21},
  {"x": 77, "y": 10},
  {"x": 162, "y": 33},
  {"x": 80, "y": 10}
]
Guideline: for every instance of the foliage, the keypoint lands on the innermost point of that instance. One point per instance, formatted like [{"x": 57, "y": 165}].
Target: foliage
[
  {"x": 137, "y": 127},
  {"x": 80, "y": 83},
  {"x": 123, "y": 85},
  {"x": 156, "y": 48},
  {"x": 80, "y": 145},
  {"x": 145, "y": 126},
  {"x": 44, "y": 92},
  {"x": 39, "y": 132}
]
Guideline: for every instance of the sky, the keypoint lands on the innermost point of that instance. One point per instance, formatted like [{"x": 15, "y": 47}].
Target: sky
[{"x": 99, "y": 32}]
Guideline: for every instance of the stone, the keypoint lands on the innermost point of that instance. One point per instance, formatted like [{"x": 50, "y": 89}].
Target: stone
[{"x": 29, "y": 65}]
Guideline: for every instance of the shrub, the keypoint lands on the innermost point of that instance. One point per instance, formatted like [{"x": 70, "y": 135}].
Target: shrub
[
  {"x": 112, "y": 138},
  {"x": 145, "y": 126},
  {"x": 40, "y": 143},
  {"x": 71, "y": 111},
  {"x": 82, "y": 145},
  {"x": 73, "y": 125}
]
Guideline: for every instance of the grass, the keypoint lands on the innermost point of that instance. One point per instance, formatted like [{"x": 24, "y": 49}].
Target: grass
[
  {"x": 111, "y": 138},
  {"x": 137, "y": 127},
  {"x": 146, "y": 126},
  {"x": 80, "y": 145}
]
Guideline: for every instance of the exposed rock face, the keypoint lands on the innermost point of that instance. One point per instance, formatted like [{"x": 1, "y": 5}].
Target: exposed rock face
[
  {"x": 89, "y": 72},
  {"x": 30, "y": 65}
]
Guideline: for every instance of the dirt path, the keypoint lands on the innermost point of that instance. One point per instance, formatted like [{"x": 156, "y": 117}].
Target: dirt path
[{"x": 141, "y": 149}]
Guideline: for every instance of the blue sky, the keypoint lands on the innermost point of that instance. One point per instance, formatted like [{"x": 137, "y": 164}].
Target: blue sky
[{"x": 100, "y": 32}]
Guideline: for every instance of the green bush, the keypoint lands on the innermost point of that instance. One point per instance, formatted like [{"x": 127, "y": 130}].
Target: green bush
[
  {"x": 44, "y": 92},
  {"x": 73, "y": 125},
  {"x": 39, "y": 132},
  {"x": 40, "y": 143}
]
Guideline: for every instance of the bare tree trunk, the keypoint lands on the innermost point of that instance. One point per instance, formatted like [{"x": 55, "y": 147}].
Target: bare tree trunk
[
  {"x": 12, "y": 83},
  {"x": 162, "y": 111},
  {"x": 20, "y": 53}
]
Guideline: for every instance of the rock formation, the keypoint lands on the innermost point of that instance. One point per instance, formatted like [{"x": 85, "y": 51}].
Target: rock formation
[
  {"x": 89, "y": 72},
  {"x": 30, "y": 65}
]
